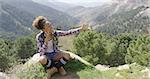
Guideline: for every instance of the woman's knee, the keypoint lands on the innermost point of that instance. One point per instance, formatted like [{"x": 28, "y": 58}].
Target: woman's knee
[
  {"x": 66, "y": 56},
  {"x": 43, "y": 60}
]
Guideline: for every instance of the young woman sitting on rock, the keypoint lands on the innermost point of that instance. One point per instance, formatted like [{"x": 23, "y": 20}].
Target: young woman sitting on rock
[{"x": 50, "y": 56}]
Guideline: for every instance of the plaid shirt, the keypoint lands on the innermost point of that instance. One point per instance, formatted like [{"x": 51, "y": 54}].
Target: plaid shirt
[{"x": 42, "y": 48}]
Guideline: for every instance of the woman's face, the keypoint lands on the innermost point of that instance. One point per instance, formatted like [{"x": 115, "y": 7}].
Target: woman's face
[{"x": 48, "y": 27}]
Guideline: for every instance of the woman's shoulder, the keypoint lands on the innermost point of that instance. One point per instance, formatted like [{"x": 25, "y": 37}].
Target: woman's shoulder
[{"x": 40, "y": 36}]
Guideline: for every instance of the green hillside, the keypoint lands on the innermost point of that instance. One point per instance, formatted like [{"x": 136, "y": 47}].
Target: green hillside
[
  {"x": 58, "y": 18},
  {"x": 14, "y": 21},
  {"x": 132, "y": 21},
  {"x": 124, "y": 16},
  {"x": 17, "y": 16}
]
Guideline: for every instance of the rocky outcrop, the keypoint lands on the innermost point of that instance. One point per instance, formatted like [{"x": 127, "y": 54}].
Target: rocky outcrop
[
  {"x": 3, "y": 76},
  {"x": 102, "y": 67}
]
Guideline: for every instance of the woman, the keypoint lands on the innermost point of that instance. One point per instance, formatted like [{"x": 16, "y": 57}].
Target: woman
[{"x": 51, "y": 57}]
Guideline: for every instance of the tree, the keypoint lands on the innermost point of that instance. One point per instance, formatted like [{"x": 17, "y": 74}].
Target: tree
[
  {"x": 25, "y": 47},
  {"x": 92, "y": 46},
  {"x": 139, "y": 51},
  {"x": 6, "y": 54},
  {"x": 122, "y": 42}
]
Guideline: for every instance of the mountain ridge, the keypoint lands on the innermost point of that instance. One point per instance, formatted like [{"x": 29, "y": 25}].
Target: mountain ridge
[{"x": 16, "y": 17}]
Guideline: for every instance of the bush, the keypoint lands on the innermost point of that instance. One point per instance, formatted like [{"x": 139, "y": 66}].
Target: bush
[
  {"x": 11, "y": 51},
  {"x": 6, "y": 54},
  {"x": 5, "y": 62},
  {"x": 92, "y": 47},
  {"x": 35, "y": 71},
  {"x": 114, "y": 51},
  {"x": 119, "y": 51},
  {"x": 139, "y": 51},
  {"x": 25, "y": 47}
]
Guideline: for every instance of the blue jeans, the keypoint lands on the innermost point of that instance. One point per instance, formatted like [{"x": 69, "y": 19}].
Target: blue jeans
[{"x": 50, "y": 55}]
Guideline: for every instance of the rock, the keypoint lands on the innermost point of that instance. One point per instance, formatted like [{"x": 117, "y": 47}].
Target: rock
[
  {"x": 118, "y": 75},
  {"x": 147, "y": 72},
  {"x": 102, "y": 67},
  {"x": 3, "y": 76},
  {"x": 33, "y": 60},
  {"x": 133, "y": 64},
  {"x": 123, "y": 67}
]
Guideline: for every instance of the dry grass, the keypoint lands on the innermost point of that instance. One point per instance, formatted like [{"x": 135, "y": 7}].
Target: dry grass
[{"x": 66, "y": 42}]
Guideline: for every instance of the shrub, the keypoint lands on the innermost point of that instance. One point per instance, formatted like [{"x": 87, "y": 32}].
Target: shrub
[
  {"x": 139, "y": 51},
  {"x": 92, "y": 47},
  {"x": 25, "y": 47},
  {"x": 35, "y": 71},
  {"x": 6, "y": 54},
  {"x": 114, "y": 51},
  {"x": 119, "y": 51}
]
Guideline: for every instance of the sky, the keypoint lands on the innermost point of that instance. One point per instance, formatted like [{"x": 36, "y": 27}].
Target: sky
[
  {"x": 85, "y": 3},
  {"x": 80, "y": 1}
]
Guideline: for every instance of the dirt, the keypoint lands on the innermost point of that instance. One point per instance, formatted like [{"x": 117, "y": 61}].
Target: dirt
[{"x": 70, "y": 75}]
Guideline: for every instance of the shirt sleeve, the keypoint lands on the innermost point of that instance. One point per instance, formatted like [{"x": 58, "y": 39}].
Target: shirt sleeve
[
  {"x": 69, "y": 32},
  {"x": 40, "y": 44}
]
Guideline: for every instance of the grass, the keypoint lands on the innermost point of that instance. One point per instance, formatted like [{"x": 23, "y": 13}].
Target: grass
[
  {"x": 66, "y": 42},
  {"x": 85, "y": 72}
]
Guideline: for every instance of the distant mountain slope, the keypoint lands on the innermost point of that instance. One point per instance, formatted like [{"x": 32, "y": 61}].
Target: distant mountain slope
[
  {"x": 16, "y": 17},
  {"x": 132, "y": 21},
  {"x": 58, "y": 18},
  {"x": 128, "y": 17},
  {"x": 13, "y": 20},
  {"x": 61, "y": 6},
  {"x": 91, "y": 15},
  {"x": 120, "y": 16}
]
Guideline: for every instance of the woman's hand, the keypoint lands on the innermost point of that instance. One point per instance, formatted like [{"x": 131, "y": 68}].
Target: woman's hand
[{"x": 85, "y": 27}]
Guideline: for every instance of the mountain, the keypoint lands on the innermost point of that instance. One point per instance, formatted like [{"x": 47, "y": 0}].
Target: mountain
[
  {"x": 64, "y": 6},
  {"x": 14, "y": 21},
  {"x": 120, "y": 16},
  {"x": 132, "y": 21},
  {"x": 58, "y": 18},
  {"x": 92, "y": 14},
  {"x": 129, "y": 16},
  {"x": 61, "y": 6},
  {"x": 105, "y": 10},
  {"x": 16, "y": 16}
]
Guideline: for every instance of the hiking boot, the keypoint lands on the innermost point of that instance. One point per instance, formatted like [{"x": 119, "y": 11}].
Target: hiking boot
[
  {"x": 62, "y": 71},
  {"x": 51, "y": 71}
]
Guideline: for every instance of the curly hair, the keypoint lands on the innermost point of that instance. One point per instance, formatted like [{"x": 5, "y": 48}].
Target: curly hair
[{"x": 39, "y": 22}]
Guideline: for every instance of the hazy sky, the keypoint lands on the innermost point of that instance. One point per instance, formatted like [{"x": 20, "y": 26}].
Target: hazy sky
[
  {"x": 86, "y": 3},
  {"x": 80, "y": 1}
]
